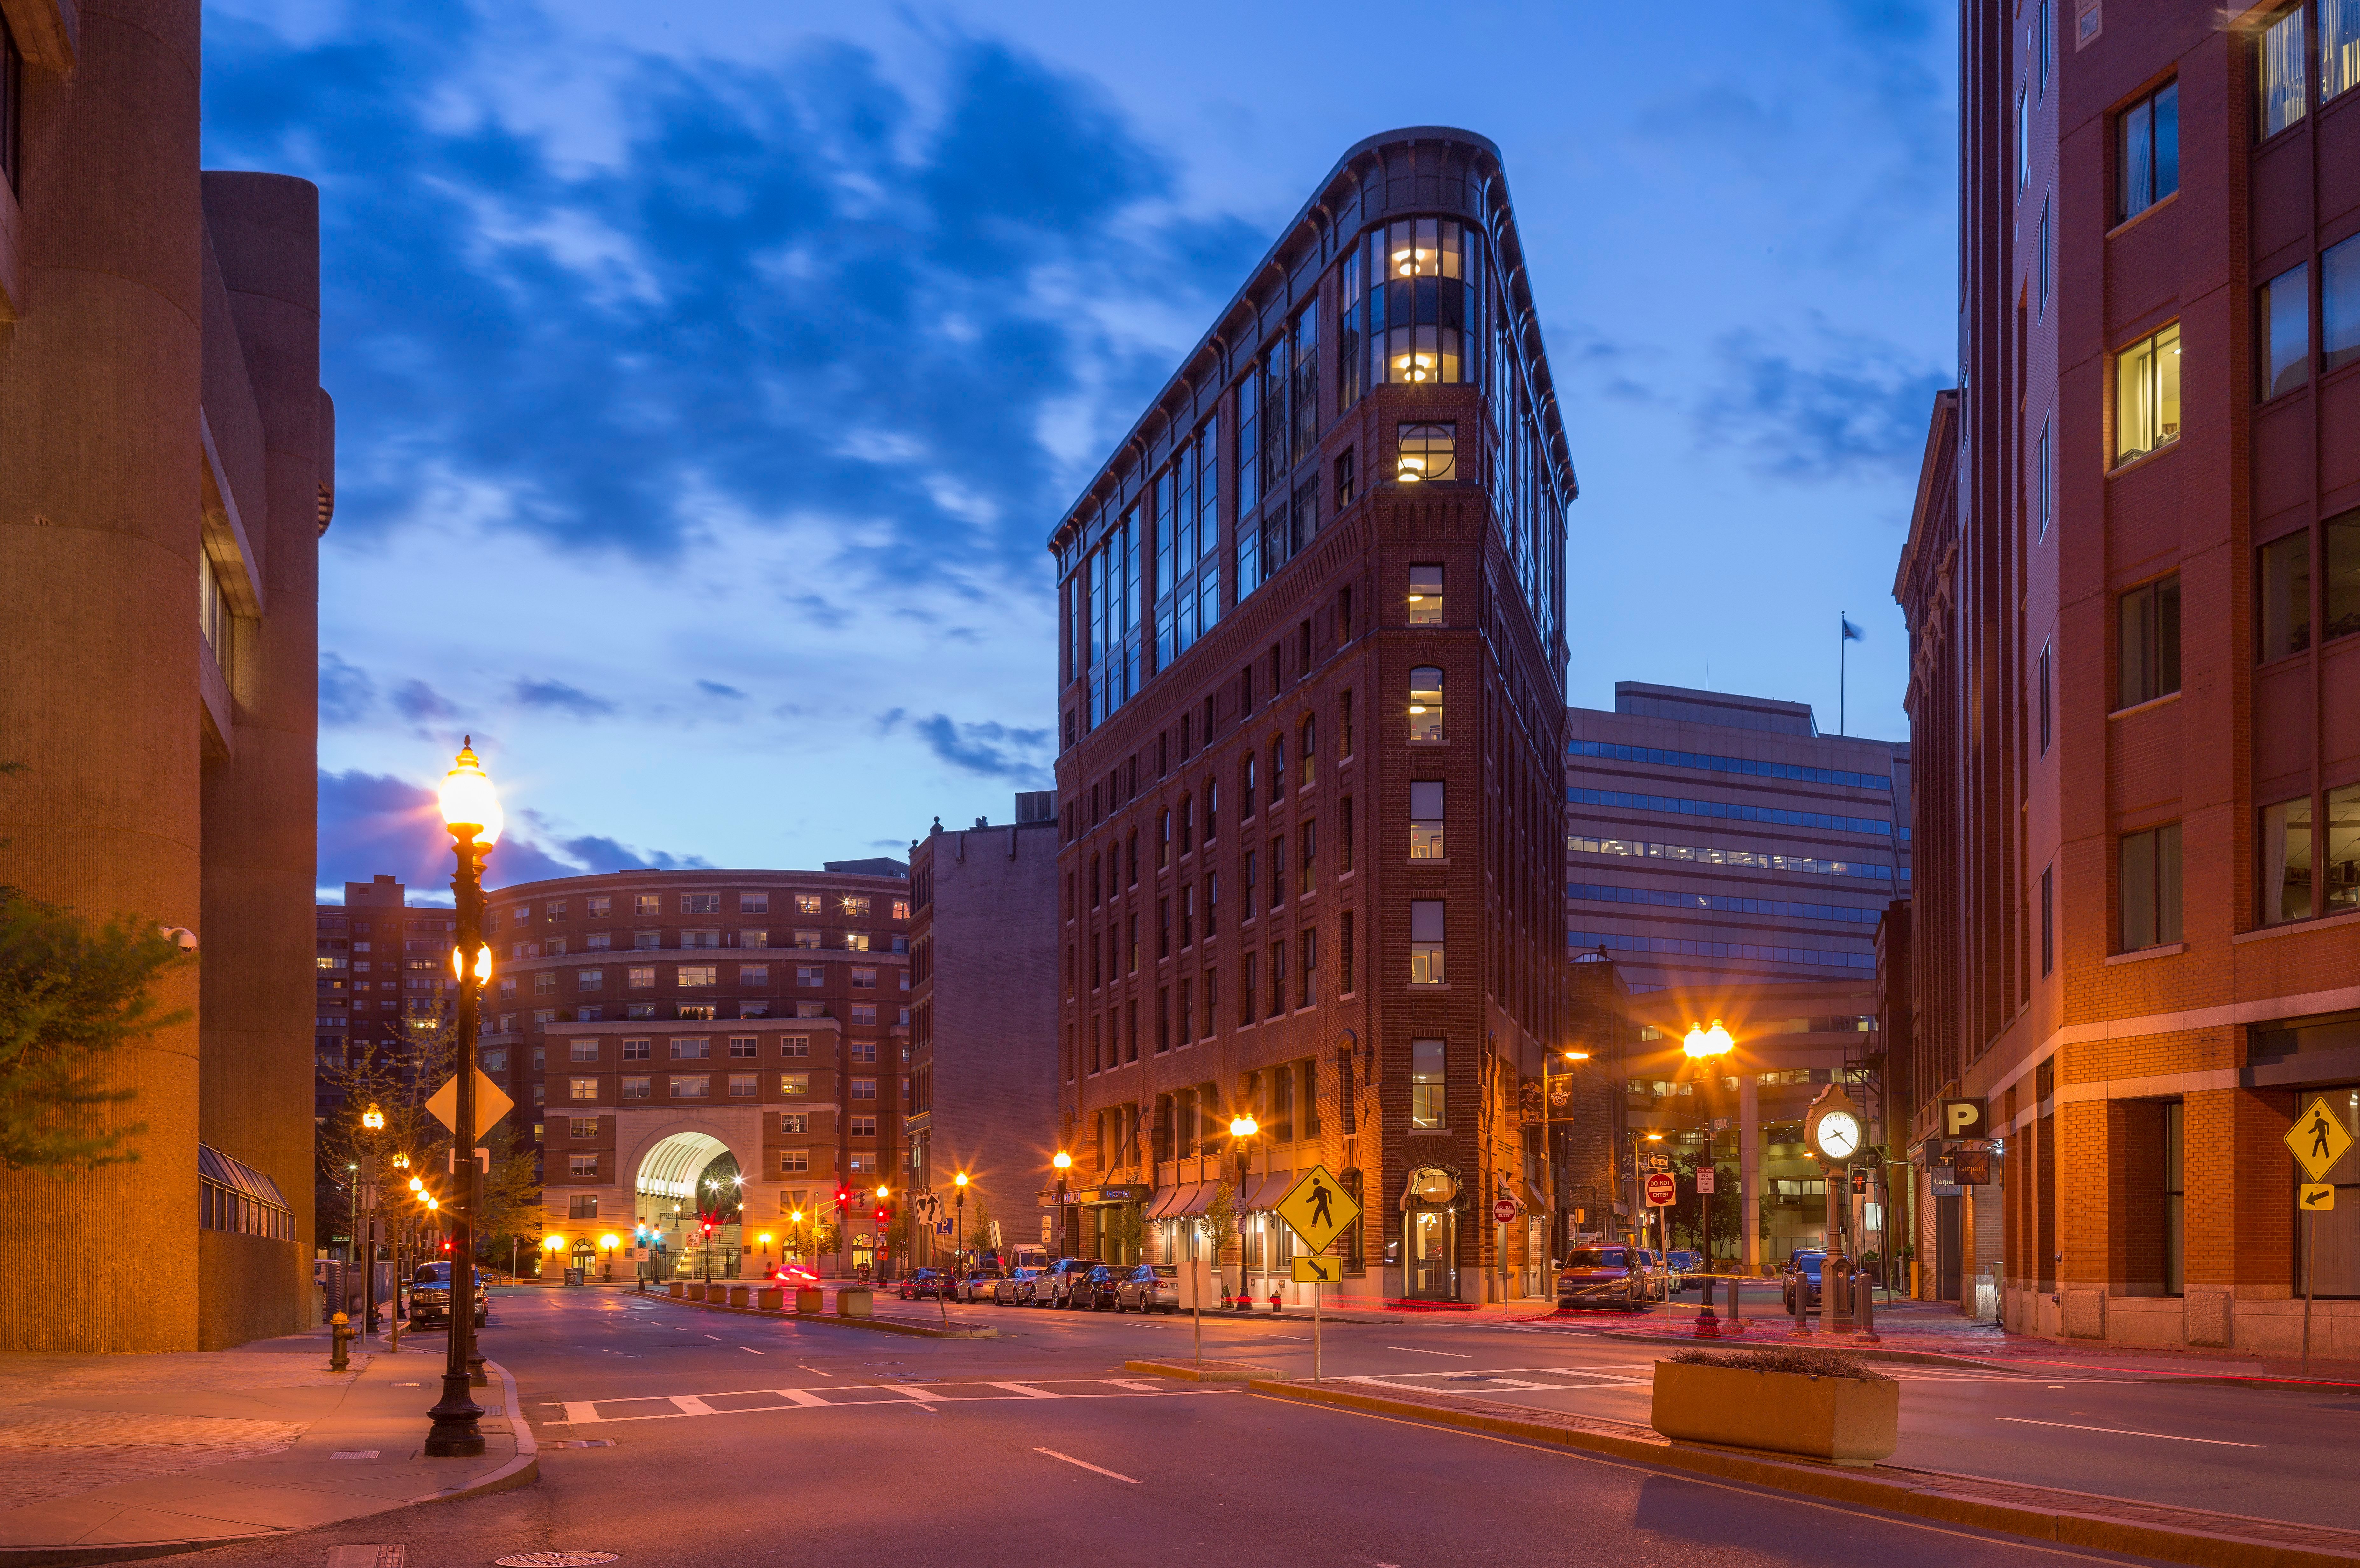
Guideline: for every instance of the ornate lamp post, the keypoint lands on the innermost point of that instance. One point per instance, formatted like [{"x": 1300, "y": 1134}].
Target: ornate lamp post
[
  {"x": 471, "y": 810},
  {"x": 372, "y": 1123},
  {"x": 1064, "y": 1162},
  {"x": 1706, "y": 1046},
  {"x": 958, "y": 1237},
  {"x": 1242, "y": 1127}
]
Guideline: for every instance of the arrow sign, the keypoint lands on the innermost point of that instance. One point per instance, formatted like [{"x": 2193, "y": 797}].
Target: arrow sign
[
  {"x": 2317, "y": 1197},
  {"x": 1318, "y": 1208},
  {"x": 2318, "y": 1139},
  {"x": 1318, "y": 1270},
  {"x": 491, "y": 1105}
]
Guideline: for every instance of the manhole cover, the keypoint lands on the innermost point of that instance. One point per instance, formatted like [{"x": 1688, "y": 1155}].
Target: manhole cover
[{"x": 555, "y": 1559}]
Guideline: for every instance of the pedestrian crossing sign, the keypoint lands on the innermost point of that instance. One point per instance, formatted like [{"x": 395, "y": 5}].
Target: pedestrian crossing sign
[
  {"x": 2317, "y": 1197},
  {"x": 1318, "y": 1208},
  {"x": 2318, "y": 1138},
  {"x": 1318, "y": 1270}
]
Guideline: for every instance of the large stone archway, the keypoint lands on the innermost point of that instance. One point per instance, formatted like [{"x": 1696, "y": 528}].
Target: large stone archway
[{"x": 661, "y": 1177}]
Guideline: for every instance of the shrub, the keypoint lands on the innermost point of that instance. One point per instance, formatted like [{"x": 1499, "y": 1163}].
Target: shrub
[{"x": 1784, "y": 1358}]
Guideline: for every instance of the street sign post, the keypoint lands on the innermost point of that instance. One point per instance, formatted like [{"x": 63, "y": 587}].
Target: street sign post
[
  {"x": 1706, "y": 1179},
  {"x": 1663, "y": 1192},
  {"x": 1318, "y": 1270},
  {"x": 1317, "y": 1209},
  {"x": 2317, "y": 1142},
  {"x": 491, "y": 1105},
  {"x": 1504, "y": 1210}
]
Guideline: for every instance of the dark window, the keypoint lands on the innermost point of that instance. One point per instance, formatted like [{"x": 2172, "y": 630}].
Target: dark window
[
  {"x": 2282, "y": 586},
  {"x": 2150, "y": 620},
  {"x": 12, "y": 95},
  {"x": 2046, "y": 203},
  {"x": 2150, "y": 887},
  {"x": 2148, "y": 149},
  {"x": 2339, "y": 297},
  {"x": 2048, "y": 660},
  {"x": 2343, "y": 597},
  {"x": 1304, "y": 394},
  {"x": 2047, "y": 920},
  {"x": 2283, "y": 331},
  {"x": 1344, "y": 491}
]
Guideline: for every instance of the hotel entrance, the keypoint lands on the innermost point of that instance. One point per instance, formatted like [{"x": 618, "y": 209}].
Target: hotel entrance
[{"x": 1430, "y": 1234}]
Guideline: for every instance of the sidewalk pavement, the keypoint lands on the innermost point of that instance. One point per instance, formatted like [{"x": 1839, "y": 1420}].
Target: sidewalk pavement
[{"x": 119, "y": 1456}]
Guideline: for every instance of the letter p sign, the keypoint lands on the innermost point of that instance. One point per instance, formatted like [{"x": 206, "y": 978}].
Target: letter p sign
[{"x": 1963, "y": 1118}]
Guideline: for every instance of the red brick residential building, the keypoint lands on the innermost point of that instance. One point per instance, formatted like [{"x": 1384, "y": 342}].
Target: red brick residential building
[
  {"x": 695, "y": 1045},
  {"x": 1311, "y": 696},
  {"x": 2133, "y": 583}
]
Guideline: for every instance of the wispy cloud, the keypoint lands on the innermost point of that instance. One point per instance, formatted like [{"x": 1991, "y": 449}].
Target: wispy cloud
[
  {"x": 556, "y": 696},
  {"x": 1837, "y": 406}
]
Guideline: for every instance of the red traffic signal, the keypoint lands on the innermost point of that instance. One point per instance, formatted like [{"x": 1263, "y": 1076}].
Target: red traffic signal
[
  {"x": 1859, "y": 1182},
  {"x": 446, "y": 1244},
  {"x": 708, "y": 1227},
  {"x": 843, "y": 1196},
  {"x": 883, "y": 1214}
]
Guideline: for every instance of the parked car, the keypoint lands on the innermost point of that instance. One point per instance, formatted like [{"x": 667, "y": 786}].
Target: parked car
[
  {"x": 934, "y": 1283},
  {"x": 977, "y": 1285},
  {"x": 1803, "y": 1267},
  {"x": 1054, "y": 1286},
  {"x": 1149, "y": 1288},
  {"x": 1683, "y": 1266},
  {"x": 1614, "y": 1277},
  {"x": 794, "y": 1277},
  {"x": 1094, "y": 1288},
  {"x": 1014, "y": 1288},
  {"x": 430, "y": 1295}
]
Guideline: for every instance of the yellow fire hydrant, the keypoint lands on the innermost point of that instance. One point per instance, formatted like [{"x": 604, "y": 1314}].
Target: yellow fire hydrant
[{"x": 340, "y": 1334}]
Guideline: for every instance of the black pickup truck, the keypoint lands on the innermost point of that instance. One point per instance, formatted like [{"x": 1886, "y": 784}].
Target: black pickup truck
[{"x": 430, "y": 1295}]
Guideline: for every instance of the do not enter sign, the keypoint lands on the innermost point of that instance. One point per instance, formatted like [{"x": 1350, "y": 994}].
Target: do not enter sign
[
  {"x": 1504, "y": 1210},
  {"x": 1662, "y": 1191}
]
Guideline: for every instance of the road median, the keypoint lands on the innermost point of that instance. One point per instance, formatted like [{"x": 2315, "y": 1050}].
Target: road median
[{"x": 2088, "y": 1520}]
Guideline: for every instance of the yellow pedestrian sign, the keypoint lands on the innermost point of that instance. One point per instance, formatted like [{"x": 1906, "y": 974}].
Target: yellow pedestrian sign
[
  {"x": 1318, "y": 1208},
  {"x": 2318, "y": 1197},
  {"x": 1318, "y": 1270},
  {"x": 2316, "y": 1138}
]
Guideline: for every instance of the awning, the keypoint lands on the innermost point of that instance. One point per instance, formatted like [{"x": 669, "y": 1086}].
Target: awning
[
  {"x": 1172, "y": 1202},
  {"x": 1268, "y": 1189}
]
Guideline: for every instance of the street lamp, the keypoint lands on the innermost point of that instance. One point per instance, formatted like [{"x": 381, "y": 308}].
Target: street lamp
[
  {"x": 471, "y": 810},
  {"x": 372, "y": 1123},
  {"x": 1064, "y": 1162},
  {"x": 609, "y": 1241},
  {"x": 1242, "y": 1127},
  {"x": 958, "y": 1225},
  {"x": 1707, "y": 1046}
]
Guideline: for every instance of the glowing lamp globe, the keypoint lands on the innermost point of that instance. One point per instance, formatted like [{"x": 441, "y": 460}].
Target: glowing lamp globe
[{"x": 469, "y": 801}]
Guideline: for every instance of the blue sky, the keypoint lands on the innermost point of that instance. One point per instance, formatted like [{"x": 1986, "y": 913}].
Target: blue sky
[{"x": 707, "y": 386}]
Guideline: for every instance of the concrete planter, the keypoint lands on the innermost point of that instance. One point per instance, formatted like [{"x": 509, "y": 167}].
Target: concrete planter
[
  {"x": 768, "y": 1298},
  {"x": 855, "y": 1301},
  {"x": 677, "y": 1287},
  {"x": 738, "y": 1295},
  {"x": 809, "y": 1299},
  {"x": 1845, "y": 1420},
  {"x": 696, "y": 1291}
]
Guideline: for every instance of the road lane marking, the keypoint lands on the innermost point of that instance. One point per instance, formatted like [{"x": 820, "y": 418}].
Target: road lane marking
[
  {"x": 1087, "y": 1465},
  {"x": 799, "y": 1396},
  {"x": 813, "y": 1370},
  {"x": 690, "y": 1405},
  {"x": 910, "y": 1390},
  {"x": 1027, "y": 1391},
  {"x": 2126, "y": 1432},
  {"x": 749, "y": 1350},
  {"x": 1452, "y": 1354},
  {"x": 683, "y": 1405}
]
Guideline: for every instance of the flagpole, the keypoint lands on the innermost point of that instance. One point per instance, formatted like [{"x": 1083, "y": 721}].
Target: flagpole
[{"x": 1843, "y": 667}]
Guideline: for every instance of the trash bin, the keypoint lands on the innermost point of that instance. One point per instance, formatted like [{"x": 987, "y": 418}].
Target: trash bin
[{"x": 855, "y": 1301}]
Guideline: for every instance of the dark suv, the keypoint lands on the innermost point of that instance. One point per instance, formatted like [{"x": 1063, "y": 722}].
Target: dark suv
[
  {"x": 927, "y": 1282},
  {"x": 1100, "y": 1286},
  {"x": 1803, "y": 1269},
  {"x": 430, "y": 1295}
]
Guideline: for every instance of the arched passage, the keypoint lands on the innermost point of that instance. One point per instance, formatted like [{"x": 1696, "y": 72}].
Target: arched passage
[{"x": 667, "y": 1200}]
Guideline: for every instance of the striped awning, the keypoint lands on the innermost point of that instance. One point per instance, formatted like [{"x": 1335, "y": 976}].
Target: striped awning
[{"x": 1267, "y": 1189}]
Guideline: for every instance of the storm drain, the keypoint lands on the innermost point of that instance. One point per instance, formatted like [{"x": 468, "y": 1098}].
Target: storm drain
[
  {"x": 583, "y": 1443},
  {"x": 367, "y": 1556},
  {"x": 354, "y": 1454}
]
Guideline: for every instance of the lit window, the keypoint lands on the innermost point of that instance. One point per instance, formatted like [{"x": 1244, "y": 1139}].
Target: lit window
[
  {"x": 582, "y": 1165},
  {"x": 582, "y": 1088},
  {"x": 2146, "y": 395},
  {"x": 2149, "y": 147},
  {"x": 1417, "y": 309},
  {"x": 1425, "y": 596},
  {"x": 1425, "y": 965},
  {"x": 901, "y": 909},
  {"x": 1426, "y": 453},
  {"x": 647, "y": 904},
  {"x": 2339, "y": 48},
  {"x": 855, "y": 941},
  {"x": 806, "y": 903},
  {"x": 857, "y": 906},
  {"x": 692, "y": 1088},
  {"x": 1426, "y": 819},
  {"x": 641, "y": 979},
  {"x": 1426, "y": 703},
  {"x": 580, "y": 1128},
  {"x": 794, "y": 1082},
  {"x": 698, "y": 975},
  {"x": 1427, "y": 1082},
  {"x": 2283, "y": 62}
]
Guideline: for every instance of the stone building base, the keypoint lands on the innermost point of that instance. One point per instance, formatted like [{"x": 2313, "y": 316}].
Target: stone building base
[{"x": 2201, "y": 1320}]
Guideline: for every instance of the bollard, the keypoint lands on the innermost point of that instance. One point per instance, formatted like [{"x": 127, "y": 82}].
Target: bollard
[
  {"x": 1802, "y": 1329},
  {"x": 340, "y": 1332},
  {"x": 1865, "y": 1308}
]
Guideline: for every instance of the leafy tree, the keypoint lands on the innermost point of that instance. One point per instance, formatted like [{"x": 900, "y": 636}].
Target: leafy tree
[
  {"x": 1122, "y": 1234},
  {"x": 72, "y": 994},
  {"x": 1221, "y": 1229},
  {"x": 978, "y": 1228},
  {"x": 1688, "y": 1214}
]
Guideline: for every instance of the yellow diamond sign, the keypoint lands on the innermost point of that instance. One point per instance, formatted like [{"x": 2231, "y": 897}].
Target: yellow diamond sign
[
  {"x": 1318, "y": 1208},
  {"x": 2316, "y": 1138},
  {"x": 491, "y": 1105},
  {"x": 1318, "y": 1270}
]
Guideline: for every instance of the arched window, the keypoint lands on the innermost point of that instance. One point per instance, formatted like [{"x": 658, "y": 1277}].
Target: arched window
[{"x": 1426, "y": 703}]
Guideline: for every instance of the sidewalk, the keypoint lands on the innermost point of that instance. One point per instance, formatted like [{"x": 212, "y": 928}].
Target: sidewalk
[{"x": 116, "y": 1456}]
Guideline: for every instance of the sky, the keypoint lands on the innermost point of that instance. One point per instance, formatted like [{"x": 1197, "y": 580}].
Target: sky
[{"x": 709, "y": 378}]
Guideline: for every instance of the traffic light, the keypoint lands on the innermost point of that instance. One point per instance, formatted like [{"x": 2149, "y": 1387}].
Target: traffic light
[
  {"x": 843, "y": 1196},
  {"x": 446, "y": 1244},
  {"x": 884, "y": 1213},
  {"x": 1859, "y": 1182}
]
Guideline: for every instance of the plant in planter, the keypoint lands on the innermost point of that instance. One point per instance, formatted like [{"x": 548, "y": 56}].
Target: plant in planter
[{"x": 1819, "y": 1404}]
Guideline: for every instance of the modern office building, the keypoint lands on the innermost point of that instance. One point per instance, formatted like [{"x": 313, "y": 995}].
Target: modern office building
[
  {"x": 166, "y": 470},
  {"x": 1309, "y": 690},
  {"x": 2133, "y": 585},
  {"x": 983, "y": 1090},
  {"x": 1718, "y": 842},
  {"x": 700, "y": 1046}
]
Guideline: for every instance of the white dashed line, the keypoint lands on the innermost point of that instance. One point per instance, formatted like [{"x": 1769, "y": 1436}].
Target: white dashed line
[{"x": 1085, "y": 1464}]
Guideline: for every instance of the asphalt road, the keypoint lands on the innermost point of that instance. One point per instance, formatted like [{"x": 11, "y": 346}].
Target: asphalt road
[{"x": 716, "y": 1438}]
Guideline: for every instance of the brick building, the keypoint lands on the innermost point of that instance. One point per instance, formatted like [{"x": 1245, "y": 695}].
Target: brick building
[
  {"x": 730, "y": 1046},
  {"x": 381, "y": 975},
  {"x": 1310, "y": 694},
  {"x": 166, "y": 469},
  {"x": 983, "y": 964},
  {"x": 2133, "y": 581}
]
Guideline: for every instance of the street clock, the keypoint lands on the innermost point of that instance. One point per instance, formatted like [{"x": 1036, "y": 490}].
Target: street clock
[{"x": 1832, "y": 1128}]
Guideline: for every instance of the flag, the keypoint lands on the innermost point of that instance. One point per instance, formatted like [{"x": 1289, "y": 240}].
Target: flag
[{"x": 1853, "y": 633}]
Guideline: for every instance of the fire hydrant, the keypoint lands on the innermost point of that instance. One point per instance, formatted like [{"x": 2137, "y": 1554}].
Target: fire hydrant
[
  {"x": 1275, "y": 1304},
  {"x": 340, "y": 1334}
]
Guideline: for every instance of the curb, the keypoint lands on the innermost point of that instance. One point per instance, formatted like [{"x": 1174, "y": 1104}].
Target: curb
[
  {"x": 1839, "y": 1347},
  {"x": 874, "y": 1325},
  {"x": 1918, "y": 1494},
  {"x": 521, "y": 1471},
  {"x": 1208, "y": 1372}
]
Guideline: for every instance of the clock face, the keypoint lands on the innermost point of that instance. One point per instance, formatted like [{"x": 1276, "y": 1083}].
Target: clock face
[{"x": 1838, "y": 1133}]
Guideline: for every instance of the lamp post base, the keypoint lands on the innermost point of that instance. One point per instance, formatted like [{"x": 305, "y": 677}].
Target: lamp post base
[
  {"x": 1707, "y": 1325},
  {"x": 456, "y": 1433}
]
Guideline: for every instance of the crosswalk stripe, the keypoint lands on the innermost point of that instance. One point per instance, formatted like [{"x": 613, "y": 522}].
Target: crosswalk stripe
[
  {"x": 1026, "y": 1389},
  {"x": 914, "y": 1391},
  {"x": 690, "y": 1405},
  {"x": 799, "y": 1396},
  {"x": 580, "y": 1410}
]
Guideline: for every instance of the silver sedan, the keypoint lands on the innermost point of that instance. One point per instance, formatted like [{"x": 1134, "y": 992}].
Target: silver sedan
[
  {"x": 1149, "y": 1288},
  {"x": 1016, "y": 1290}
]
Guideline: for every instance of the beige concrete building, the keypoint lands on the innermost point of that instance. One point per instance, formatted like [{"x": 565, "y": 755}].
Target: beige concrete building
[{"x": 165, "y": 448}]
